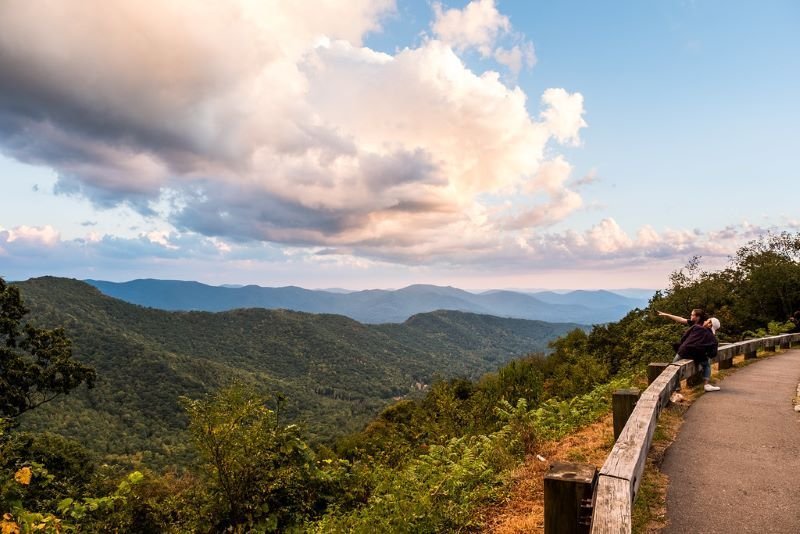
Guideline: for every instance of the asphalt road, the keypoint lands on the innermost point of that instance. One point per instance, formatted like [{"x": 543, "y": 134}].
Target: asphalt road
[{"x": 735, "y": 465}]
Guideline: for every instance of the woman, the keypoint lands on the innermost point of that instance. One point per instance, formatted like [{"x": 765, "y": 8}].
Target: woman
[{"x": 699, "y": 342}]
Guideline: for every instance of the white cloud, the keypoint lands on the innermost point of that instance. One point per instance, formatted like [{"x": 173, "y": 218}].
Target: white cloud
[
  {"x": 160, "y": 237},
  {"x": 563, "y": 114},
  {"x": 46, "y": 236},
  {"x": 607, "y": 237},
  {"x": 515, "y": 57},
  {"x": 482, "y": 27},
  {"x": 550, "y": 179},
  {"x": 475, "y": 26}
]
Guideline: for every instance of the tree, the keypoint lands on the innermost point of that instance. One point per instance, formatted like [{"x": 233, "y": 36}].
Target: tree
[
  {"x": 36, "y": 365},
  {"x": 768, "y": 275},
  {"x": 262, "y": 474}
]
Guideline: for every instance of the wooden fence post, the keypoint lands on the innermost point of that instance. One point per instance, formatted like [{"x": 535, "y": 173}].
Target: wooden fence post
[
  {"x": 655, "y": 369},
  {"x": 568, "y": 493},
  {"x": 623, "y": 402},
  {"x": 726, "y": 363},
  {"x": 769, "y": 345}
]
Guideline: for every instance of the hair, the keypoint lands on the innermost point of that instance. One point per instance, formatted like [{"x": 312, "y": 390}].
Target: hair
[{"x": 701, "y": 315}]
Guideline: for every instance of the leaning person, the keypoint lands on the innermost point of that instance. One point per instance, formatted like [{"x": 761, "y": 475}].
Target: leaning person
[{"x": 699, "y": 342}]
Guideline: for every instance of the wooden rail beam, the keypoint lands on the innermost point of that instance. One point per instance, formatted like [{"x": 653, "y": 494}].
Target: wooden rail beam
[{"x": 614, "y": 496}]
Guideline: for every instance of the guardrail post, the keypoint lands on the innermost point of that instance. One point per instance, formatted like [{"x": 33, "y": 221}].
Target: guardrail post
[
  {"x": 785, "y": 343},
  {"x": 727, "y": 363},
  {"x": 568, "y": 494},
  {"x": 769, "y": 345},
  {"x": 751, "y": 352},
  {"x": 654, "y": 370},
  {"x": 623, "y": 401}
]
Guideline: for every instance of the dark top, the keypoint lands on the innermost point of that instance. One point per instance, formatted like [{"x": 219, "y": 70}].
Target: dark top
[
  {"x": 796, "y": 329},
  {"x": 698, "y": 343}
]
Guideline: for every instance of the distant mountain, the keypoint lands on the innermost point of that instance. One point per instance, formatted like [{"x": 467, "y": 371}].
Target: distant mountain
[
  {"x": 376, "y": 306},
  {"x": 598, "y": 299},
  {"x": 636, "y": 293},
  {"x": 335, "y": 372}
]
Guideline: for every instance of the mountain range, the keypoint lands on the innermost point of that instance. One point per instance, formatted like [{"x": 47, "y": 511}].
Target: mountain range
[
  {"x": 376, "y": 306},
  {"x": 334, "y": 372}
]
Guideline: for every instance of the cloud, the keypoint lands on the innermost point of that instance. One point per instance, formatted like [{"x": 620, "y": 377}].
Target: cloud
[
  {"x": 605, "y": 246},
  {"x": 550, "y": 179},
  {"x": 606, "y": 243},
  {"x": 563, "y": 114},
  {"x": 480, "y": 26},
  {"x": 477, "y": 25},
  {"x": 45, "y": 236},
  {"x": 515, "y": 57},
  {"x": 286, "y": 131},
  {"x": 587, "y": 179}
]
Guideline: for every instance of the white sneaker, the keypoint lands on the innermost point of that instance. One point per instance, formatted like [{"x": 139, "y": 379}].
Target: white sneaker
[{"x": 709, "y": 387}]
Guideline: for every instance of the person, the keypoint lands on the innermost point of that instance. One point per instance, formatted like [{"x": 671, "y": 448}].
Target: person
[
  {"x": 714, "y": 324},
  {"x": 795, "y": 318},
  {"x": 698, "y": 343}
]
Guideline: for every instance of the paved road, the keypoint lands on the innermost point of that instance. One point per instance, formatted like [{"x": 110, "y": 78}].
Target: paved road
[{"x": 735, "y": 465}]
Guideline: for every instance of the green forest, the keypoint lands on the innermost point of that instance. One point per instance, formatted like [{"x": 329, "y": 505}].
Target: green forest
[
  {"x": 330, "y": 373},
  {"x": 237, "y": 444}
]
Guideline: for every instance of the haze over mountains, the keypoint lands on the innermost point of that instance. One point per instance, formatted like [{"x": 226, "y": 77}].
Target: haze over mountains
[{"x": 377, "y": 305}]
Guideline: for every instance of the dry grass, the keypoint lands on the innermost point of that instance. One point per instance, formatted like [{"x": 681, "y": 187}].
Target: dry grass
[{"x": 523, "y": 511}]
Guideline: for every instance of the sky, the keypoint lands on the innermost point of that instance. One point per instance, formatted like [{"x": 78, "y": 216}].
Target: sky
[{"x": 376, "y": 144}]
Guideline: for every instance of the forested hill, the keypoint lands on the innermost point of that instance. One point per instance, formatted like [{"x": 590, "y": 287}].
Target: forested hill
[{"x": 336, "y": 373}]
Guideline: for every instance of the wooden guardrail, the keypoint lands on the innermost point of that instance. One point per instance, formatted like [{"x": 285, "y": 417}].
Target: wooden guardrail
[{"x": 618, "y": 481}]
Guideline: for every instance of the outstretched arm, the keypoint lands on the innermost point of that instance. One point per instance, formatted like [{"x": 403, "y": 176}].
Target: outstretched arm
[{"x": 675, "y": 318}]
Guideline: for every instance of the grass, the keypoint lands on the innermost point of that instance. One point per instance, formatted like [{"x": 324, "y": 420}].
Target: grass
[{"x": 523, "y": 511}]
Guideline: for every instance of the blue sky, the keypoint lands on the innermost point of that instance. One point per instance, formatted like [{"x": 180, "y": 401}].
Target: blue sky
[{"x": 378, "y": 144}]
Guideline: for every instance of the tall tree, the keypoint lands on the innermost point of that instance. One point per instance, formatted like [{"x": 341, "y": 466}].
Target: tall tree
[
  {"x": 262, "y": 474},
  {"x": 768, "y": 276},
  {"x": 36, "y": 365}
]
